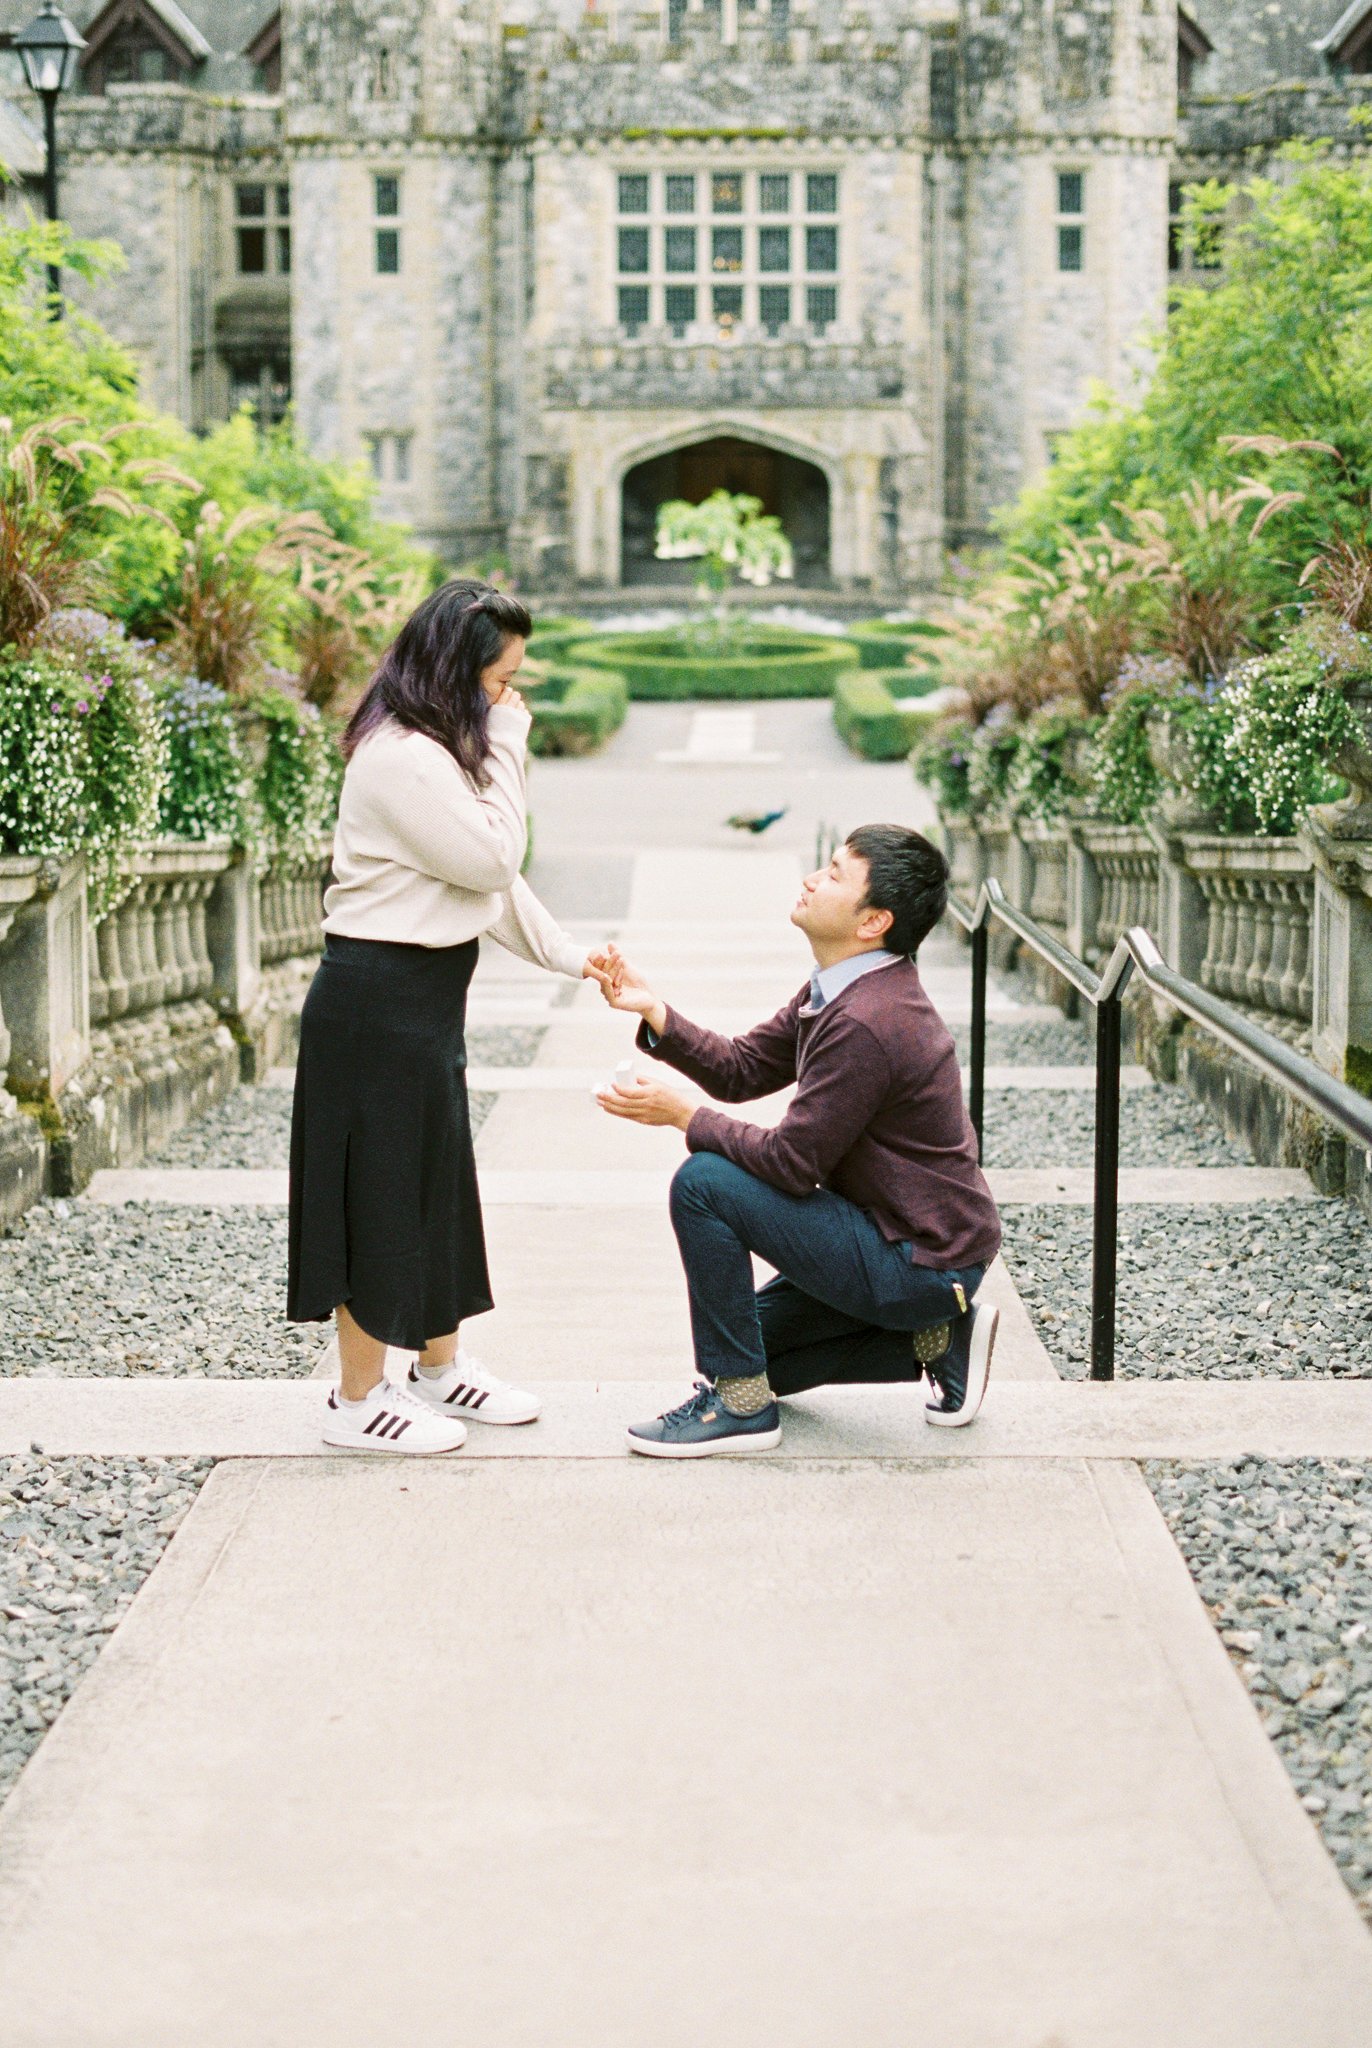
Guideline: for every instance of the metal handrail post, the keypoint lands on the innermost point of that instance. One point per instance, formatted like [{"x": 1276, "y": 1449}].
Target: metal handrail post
[
  {"x": 981, "y": 938},
  {"x": 1105, "y": 1224}
]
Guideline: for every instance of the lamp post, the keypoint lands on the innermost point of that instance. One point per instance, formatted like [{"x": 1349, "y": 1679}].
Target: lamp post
[{"x": 48, "y": 50}]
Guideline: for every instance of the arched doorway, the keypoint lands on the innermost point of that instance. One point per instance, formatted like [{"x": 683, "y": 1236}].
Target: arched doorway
[{"x": 795, "y": 490}]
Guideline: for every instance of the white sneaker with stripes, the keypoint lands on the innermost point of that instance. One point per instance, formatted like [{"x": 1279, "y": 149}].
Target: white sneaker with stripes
[
  {"x": 467, "y": 1389},
  {"x": 390, "y": 1419}
]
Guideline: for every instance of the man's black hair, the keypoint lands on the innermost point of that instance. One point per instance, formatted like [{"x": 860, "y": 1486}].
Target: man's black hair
[{"x": 905, "y": 875}]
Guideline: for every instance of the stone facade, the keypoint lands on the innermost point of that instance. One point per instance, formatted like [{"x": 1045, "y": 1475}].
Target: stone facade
[{"x": 510, "y": 253}]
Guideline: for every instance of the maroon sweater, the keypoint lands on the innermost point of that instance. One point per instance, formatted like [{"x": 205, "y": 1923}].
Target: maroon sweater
[{"x": 877, "y": 1115}]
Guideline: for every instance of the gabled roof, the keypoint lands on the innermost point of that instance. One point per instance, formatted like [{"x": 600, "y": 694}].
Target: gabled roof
[
  {"x": 1193, "y": 38},
  {"x": 115, "y": 13},
  {"x": 1348, "y": 31}
]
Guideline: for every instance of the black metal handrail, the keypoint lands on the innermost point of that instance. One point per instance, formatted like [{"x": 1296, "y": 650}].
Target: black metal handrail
[{"x": 1135, "y": 953}]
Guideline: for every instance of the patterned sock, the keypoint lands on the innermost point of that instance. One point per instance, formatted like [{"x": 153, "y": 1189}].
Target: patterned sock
[
  {"x": 745, "y": 1397},
  {"x": 930, "y": 1345}
]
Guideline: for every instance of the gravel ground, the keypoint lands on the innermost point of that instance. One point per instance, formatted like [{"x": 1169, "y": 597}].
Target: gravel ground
[
  {"x": 78, "y": 1536},
  {"x": 147, "y": 1288},
  {"x": 1274, "y": 1291},
  {"x": 1056, "y": 1127},
  {"x": 1282, "y": 1555},
  {"x": 1031, "y": 1045},
  {"x": 252, "y": 1127}
]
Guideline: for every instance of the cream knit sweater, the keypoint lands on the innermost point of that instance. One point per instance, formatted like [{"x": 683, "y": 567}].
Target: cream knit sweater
[{"x": 423, "y": 859}]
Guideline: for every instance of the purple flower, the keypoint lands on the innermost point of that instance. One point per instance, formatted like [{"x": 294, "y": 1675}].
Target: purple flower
[{"x": 83, "y": 705}]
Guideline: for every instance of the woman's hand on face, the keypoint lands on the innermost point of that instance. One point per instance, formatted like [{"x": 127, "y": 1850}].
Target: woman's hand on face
[{"x": 501, "y": 693}]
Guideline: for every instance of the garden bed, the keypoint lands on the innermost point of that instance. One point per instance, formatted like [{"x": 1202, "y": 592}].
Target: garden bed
[{"x": 680, "y": 666}]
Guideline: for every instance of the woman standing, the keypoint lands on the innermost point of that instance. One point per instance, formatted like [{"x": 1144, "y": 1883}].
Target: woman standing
[{"x": 385, "y": 1216}]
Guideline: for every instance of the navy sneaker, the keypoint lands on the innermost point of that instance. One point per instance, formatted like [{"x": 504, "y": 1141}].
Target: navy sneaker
[
  {"x": 960, "y": 1372},
  {"x": 703, "y": 1427}
]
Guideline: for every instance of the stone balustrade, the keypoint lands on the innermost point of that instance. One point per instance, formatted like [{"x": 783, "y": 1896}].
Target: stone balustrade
[
  {"x": 290, "y": 900},
  {"x": 1112, "y": 885},
  {"x": 1281, "y": 928},
  {"x": 1257, "y": 895},
  {"x": 113, "y": 1034},
  {"x": 154, "y": 949}
]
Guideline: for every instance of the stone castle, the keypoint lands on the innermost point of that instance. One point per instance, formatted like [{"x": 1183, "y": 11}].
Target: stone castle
[{"x": 543, "y": 268}]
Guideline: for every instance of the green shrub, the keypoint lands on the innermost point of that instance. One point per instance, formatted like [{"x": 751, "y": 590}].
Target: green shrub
[
  {"x": 942, "y": 763},
  {"x": 1049, "y": 767},
  {"x": 209, "y": 791},
  {"x": 884, "y": 643},
  {"x": 1123, "y": 783},
  {"x": 83, "y": 752},
  {"x": 296, "y": 775},
  {"x": 758, "y": 663},
  {"x": 42, "y": 755},
  {"x": 1260, "y": 747},
  {"x": 870, "y": 718},
  {"x": 126, "y": 748},
  {"x": 991, "y": 763},
  {"x": 575, "y": 711},
  {"x": 552, "y": 636}
]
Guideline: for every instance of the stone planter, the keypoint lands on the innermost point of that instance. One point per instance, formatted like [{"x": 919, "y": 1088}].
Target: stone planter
[
  {"x": 1352, "y": 818},
  {"x": 1170, "y": 750}
]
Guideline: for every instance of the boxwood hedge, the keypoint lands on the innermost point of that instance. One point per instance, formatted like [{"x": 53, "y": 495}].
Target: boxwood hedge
[
  {"x": 869, "y": 716},
  {"x": 758, "y": 664},
  {"x": 576, "y": 710},
  {"x": 885, "y": 643},
  {"x": 552, "y": 636}
]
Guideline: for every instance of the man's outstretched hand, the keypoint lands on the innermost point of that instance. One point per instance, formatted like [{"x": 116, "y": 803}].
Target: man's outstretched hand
[
  {"x": 647, "y": 1101},
  {"x": 625, "y": 989}
]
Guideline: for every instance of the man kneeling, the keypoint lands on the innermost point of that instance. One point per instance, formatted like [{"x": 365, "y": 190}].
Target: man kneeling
[{"x": 867, "y": 1198}]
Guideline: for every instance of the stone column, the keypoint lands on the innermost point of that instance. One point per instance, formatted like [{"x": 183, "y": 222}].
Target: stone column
[
  {"x": 44, "y": 982},
  {"x": 234, "y": 930},
  {"x": 1083, "y": 894},
  {"x": 1183, "y": 918},
  {"x": 1341, "y": 932}
]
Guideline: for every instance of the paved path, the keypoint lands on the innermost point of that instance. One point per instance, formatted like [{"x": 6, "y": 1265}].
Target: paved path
[{"x": 884, "y": 1740}]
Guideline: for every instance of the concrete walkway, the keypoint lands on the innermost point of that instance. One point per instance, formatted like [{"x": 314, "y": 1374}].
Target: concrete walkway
[{"x": 880, "y": 1741}]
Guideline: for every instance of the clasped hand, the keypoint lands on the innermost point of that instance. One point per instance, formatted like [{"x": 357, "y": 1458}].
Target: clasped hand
[{"x": 646, "y": 1101}]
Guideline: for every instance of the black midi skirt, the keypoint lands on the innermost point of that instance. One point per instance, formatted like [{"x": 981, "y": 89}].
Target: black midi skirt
[{"x": 384, "y": 1209}]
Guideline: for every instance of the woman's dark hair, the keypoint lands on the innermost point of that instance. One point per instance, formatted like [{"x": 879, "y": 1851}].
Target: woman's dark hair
[
  {"x": 905, "y": 875},
  {"x": 430, "y": 675}
]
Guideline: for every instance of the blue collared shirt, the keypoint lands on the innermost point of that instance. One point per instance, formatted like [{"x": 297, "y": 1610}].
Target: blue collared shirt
[{"x": 826, "y": 982}]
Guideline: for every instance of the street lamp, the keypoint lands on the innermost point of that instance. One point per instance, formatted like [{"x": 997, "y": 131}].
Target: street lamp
[{"x": 48, "y": 50}]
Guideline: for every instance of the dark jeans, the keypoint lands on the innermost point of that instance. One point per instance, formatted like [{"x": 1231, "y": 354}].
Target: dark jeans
[{"x": 846, "y": 1299}]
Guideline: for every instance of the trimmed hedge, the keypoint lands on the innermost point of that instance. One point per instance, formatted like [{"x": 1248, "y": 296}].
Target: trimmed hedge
[
  {"x": 872, "y": 721},
  {"x": 884, "y": 643},
  {"x": 552, "y": 636},
  {"x": 658, "y": 666},
  {"x": 575, "y": 711}
]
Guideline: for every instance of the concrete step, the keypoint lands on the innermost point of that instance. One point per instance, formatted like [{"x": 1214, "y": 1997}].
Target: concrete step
[{"x": 74, "y": 1416}]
